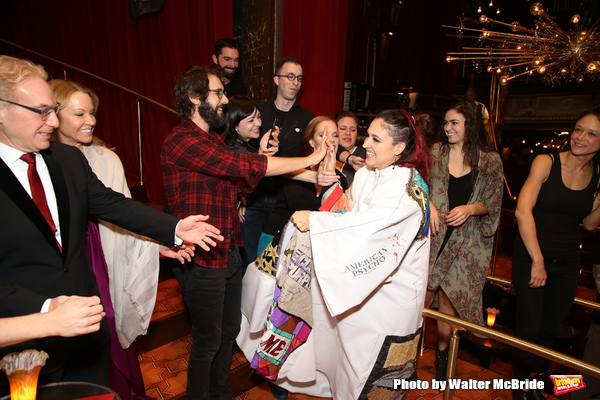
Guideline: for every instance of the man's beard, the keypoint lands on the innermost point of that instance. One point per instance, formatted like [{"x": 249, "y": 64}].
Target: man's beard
[
  {"x": 211, "y": 116},
  {"x": 227, "y": 74}
]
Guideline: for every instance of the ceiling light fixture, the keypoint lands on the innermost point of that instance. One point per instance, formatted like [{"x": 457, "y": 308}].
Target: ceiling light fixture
[{"x": 559, "y": 56}]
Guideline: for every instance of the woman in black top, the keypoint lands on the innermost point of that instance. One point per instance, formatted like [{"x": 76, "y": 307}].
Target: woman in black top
[
  {"x": 243, "y": 121},
  {"x": 560, "y": 192},
  {"x": 465, "y": 193}
]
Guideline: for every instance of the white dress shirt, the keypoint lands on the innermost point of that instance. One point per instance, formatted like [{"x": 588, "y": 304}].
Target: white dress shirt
[{"x": 12, "y": 158}]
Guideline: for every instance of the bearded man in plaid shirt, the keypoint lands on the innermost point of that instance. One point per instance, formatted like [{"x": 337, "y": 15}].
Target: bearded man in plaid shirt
[{"x": 202, "y": 177}]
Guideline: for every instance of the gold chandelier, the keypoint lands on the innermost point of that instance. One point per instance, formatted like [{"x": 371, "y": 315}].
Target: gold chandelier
[{"x": 547, "y": 50}]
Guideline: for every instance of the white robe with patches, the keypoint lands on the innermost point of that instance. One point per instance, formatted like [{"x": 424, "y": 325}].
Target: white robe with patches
[{"x": 369, "y": 281}]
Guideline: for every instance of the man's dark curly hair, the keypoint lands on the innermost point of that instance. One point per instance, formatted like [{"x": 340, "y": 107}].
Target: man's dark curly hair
[{"x": 193, "y": 82}]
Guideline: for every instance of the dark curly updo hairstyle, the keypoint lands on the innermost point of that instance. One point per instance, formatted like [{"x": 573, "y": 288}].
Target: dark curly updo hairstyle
[{"x": 412, "y": 130}]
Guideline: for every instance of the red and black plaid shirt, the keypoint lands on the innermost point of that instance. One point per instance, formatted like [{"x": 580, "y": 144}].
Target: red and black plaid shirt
[{"x": 202, "y": 177}]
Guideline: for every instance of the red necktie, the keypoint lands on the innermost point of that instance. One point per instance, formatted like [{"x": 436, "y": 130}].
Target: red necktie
[{"x": 37, "y": 189}]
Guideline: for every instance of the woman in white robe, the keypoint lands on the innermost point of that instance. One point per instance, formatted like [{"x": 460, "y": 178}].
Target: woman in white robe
[{"x": 369, "y": 275}]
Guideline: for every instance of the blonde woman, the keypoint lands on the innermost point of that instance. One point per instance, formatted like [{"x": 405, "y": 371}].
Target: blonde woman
[{"x": 126, "y": 265}]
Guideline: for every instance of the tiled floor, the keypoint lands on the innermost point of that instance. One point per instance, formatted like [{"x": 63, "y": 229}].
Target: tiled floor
[
  {"x": 263, "y": 392},
  {"x": 165, "y": 375},
  {"x": 465, "y": 371},
  {"x": 165, "y": 368}
]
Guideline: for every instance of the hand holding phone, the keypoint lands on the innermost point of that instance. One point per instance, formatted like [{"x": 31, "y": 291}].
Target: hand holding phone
[{"x": 275, "y": 121}]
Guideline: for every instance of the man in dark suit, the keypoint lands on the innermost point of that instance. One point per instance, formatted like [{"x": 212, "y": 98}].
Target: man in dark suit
[{"x": 42, "y": 251}]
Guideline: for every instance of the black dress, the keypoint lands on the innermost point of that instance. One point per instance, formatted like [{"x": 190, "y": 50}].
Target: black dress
[
  {"x": 541, "y": 311},
  {"x": 459, "y": 193}
]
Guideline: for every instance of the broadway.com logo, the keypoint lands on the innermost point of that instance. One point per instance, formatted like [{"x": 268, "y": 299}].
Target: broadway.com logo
[{"x": 566, "y": 383}]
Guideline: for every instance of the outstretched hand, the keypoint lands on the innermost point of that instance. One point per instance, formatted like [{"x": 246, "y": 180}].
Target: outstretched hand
[
  {"x": 356, "y": 161},
  {"x": 330, "y": 157},
  {"x": 183, "y": 253},
  {"x": 326, "y": 178},
  {"x": 193, "y": 229},
  {"x": 325, "y": 149}
]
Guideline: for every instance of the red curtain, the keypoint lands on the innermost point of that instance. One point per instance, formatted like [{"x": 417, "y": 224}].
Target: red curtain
[
  {"x": 144, "y": 55},
  {"x": 315, "y": 32}
]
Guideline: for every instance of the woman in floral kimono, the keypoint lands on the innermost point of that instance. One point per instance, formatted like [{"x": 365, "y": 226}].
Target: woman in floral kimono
[{"x": 466, "y": 197}]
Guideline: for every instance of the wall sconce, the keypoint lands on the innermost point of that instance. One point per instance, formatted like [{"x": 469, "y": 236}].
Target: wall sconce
[
  {"x": 22, "y": 370},
  {"x": 491, "y": 316}
]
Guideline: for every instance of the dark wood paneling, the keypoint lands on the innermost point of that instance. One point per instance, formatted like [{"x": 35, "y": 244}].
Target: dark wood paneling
[{"x": 259, "y": 47}]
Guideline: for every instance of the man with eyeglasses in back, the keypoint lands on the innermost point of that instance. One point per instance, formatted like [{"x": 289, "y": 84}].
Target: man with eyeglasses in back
[
  {"x": 200, "y": 173},
  {"x": 47, "y": 191},
  {"x": 292, "y": 117},
  {"x": 292, "y": 120}
]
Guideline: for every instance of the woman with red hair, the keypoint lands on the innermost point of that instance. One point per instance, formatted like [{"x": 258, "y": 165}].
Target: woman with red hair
[{"x": 351, "y": 282}]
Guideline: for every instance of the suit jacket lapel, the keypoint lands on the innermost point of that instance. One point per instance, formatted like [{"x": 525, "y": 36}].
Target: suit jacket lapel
[
  {"x": 17, "y": 193},
  {"x": 62, "y": 198}
]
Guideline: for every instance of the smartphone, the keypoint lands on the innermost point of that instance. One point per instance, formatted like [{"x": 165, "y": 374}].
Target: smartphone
[{"x": 275, "y": 121}]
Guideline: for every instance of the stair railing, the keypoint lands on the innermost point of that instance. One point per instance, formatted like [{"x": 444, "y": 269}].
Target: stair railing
[
  {"x": 458, "y": 325},
  {"x": 139, "y": 97}
]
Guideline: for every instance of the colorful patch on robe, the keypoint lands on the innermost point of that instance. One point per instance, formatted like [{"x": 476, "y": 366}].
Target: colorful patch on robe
[
  {"x": 283, "y": 334},
  {"x": 289, "y": 319},
  {"x": 397, "y": 359},
  {"x": 336, "y": 200},
  {"x": 267, "y": 261},
  {"x": 330, "y": 197},
  {"x": 418, "y": 189}
]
